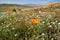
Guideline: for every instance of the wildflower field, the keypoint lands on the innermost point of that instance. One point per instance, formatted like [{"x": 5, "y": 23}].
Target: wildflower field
[{"x": 37, "y": 24}]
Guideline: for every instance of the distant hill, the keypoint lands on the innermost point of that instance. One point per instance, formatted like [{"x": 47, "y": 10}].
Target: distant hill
[
  {"x": 32, "y": 5},
  {"x": 12, "y": 5},
  {"x": 57, "y": 4}
]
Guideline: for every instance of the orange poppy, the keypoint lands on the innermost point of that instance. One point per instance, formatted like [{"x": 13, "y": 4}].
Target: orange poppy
[{"x": 35, "y": 21}]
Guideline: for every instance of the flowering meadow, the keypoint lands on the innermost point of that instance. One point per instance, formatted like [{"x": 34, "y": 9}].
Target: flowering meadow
[{"x": 37, "y": 24}]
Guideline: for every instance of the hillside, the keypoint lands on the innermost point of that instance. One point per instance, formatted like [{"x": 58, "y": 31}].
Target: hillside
[{"x": 19, "y": 22}]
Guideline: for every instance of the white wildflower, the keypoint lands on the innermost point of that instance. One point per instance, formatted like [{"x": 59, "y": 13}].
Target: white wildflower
[
  {"x": 48, "y": 23},
  {"x": 53, "y": 22},
  {"x": 56, "y": 21},
  {"x": 50, "y": 16},
  {"x": 7, "y": 26},
  {"x": 13, "y": 28},
  {"x": 50, "y": 26},
  {"x": 2, "y": 23},
  {"x": 43, "y": 34},
  {"x": 59, "y": 23},
  {"x": 15, "y": 35},
  {"x": 43, "y": 22},
  {"x": 39, "y": 11}
]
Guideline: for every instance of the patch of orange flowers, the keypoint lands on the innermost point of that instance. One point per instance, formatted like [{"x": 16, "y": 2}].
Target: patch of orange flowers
[
  {"x": 49, "y": 5},
  {"x": 35, "y": 21}
]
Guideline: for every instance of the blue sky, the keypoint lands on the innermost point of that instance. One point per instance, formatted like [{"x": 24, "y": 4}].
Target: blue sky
[{"x": 40, "y": 2}]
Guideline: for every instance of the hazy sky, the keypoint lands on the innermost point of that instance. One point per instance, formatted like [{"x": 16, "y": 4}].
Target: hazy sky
[{"x": 41, "y": 2}]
